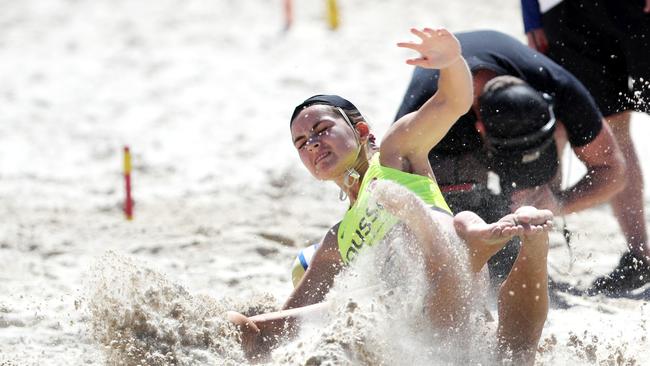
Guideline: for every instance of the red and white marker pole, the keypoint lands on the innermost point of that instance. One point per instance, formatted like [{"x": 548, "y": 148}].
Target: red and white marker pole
[
  {"x": 128, "y": 202},
  {"x": 288, "y": 14}
]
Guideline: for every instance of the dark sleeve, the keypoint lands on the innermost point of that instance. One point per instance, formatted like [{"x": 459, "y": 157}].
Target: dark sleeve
[
  {"x": 577, "y": 110},
  {"x": 531, "y": 14},
  {"x": 424, "y": 83}
]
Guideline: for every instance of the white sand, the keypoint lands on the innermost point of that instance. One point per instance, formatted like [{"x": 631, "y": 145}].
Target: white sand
[{"x": 202, "y": 91}]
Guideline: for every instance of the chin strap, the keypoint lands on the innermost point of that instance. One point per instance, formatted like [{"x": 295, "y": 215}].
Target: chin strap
[{"x": 350, "y": 178}]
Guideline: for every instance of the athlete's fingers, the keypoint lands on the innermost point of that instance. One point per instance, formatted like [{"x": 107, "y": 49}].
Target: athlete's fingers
[
  {"x": 436, "y": 32},
  {"x": 242, "y": 321},
  {"x": 430, "y": 32},
  {"x": 423, "y": 36},
  {"x": 410, "y": 45},
  {"x": 420, "y": 61}
]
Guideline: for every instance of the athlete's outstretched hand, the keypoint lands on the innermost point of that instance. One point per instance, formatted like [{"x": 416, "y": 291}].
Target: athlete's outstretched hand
[
  {"x": 250, "y": 334},
  {"x": 438, "y": 49}
]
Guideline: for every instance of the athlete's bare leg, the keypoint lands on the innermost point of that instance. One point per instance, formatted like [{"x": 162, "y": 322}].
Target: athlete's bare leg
[
  {"x": 523, "y": 296},
  {"x": 483, "y": 240},
  {"x": 445, "y": 257},
  {"x": 628, "y": 203}
]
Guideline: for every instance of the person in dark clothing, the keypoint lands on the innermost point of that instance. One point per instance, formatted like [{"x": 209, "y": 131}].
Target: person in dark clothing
[
  {"x": 507, "y": 74},
  {"x": 605, "y": 45}
]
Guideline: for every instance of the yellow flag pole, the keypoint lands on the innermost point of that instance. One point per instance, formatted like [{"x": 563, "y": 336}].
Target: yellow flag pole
[
  {"x": 332, "y": 14},
  {"x": 128, "y": 200}
]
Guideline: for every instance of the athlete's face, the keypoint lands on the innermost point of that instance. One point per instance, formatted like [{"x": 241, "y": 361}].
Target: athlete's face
[{"x": 326, "y": 143}]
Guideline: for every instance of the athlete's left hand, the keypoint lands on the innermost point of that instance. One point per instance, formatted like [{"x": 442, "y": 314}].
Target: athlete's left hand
[
  {"x": 250, "y": 334},
  {"x": 438, "y": 49}
]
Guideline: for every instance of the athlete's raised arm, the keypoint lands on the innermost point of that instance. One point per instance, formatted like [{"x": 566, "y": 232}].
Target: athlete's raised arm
[{"x": 416, "y": 133}]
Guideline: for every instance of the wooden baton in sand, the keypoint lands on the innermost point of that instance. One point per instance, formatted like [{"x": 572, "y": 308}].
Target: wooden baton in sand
[{"x": 128, "y": 201}]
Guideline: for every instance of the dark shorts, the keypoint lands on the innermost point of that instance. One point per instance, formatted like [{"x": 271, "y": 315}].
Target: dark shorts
[
  {"x": 606, "y": 45},
  {"x": 489, "y": 207}
]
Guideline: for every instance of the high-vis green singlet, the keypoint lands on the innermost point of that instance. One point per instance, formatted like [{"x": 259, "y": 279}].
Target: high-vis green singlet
[{"x": 366, "y": 223}]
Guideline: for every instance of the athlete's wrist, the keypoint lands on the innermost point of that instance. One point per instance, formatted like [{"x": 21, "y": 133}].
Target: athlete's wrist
[{"x": 455, "y": 61}]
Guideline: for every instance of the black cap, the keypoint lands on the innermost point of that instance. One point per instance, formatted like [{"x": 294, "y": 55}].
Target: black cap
[
  {"x": 331, "y": 100},
  {"x": 519, "y": 125}
]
